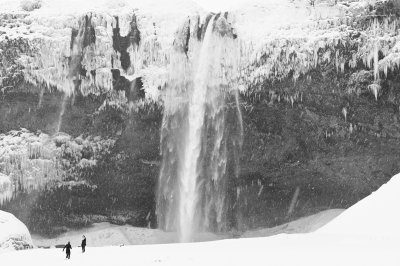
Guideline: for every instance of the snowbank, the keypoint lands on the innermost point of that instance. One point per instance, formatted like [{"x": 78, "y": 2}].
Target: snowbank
[
  {"x": 13, "y": 233},
  {"x": 282, "y": 250},
  {"x": 303, "y": 225},
  {"x": 375, "y": 216}
]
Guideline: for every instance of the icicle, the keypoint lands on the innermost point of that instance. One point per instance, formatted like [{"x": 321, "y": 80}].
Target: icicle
[
  {"x": 6, "y": 189},
  {"x": 238, "y": 190},
  {"x": 344, "y": 112},
  {"x": 376, "y": 61},
  {"x": 375, "y": 88},
  {"x": 260, "y": 191}
]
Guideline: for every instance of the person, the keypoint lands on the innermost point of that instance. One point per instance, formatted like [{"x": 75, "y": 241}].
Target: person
[
  {"x": 68, "y": 248},
  {"x": 83, "y": 245}
]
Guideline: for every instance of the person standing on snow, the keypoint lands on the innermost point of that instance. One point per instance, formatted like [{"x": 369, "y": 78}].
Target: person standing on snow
[
  {"x": 68, "y": 248},
  {"x": 83, "y": 245}
]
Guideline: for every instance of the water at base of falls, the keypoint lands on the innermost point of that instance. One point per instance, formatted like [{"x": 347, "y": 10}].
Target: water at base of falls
[{"x": 196, "y": 139}]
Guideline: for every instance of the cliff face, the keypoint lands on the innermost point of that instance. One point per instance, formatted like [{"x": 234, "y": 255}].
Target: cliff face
[{"x": 318, "y": 96}]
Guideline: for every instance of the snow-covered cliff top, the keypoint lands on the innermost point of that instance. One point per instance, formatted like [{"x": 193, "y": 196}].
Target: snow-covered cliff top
[
  {"x": 53, "y": 16},
  {"x": 71, "y": 41}
]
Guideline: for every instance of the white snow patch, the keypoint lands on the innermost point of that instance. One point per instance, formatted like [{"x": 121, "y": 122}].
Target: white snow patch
[
  {"x": 378, "y": 215},
  {"x": 13, "y": 233},
  {"x": 303, "y": 225}
]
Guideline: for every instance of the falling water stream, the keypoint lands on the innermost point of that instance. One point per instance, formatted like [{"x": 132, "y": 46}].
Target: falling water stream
[
  {"x": 189, "y": 174},
  {"x": 195, "y": 136},
  {"x": 62, "y": 111}
]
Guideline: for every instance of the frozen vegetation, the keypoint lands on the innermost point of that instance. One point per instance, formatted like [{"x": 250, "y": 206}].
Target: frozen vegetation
[{"x": 36, "y": 161}]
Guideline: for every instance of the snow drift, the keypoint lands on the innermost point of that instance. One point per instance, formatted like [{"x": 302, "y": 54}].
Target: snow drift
[
  {"x": 376, "y": 216},
  {"x": 13, "y": 233}
]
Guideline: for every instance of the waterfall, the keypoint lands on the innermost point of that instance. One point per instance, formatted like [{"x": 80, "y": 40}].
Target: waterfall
[
  {"x": 61, "y": 114},
  {"x": 195, "y": 137}
]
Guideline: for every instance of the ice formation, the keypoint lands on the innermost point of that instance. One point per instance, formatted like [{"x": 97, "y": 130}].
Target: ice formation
[
  {"x": 35, "y": 161},
  {"x": 76, "y": 48},
  {"x": 5, "y": 188},
  {"x": 29, "y": 160},
  {"x": 310, "y": 42}
]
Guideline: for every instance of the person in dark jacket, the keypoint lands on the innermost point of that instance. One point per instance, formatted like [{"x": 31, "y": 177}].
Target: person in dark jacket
[
  {"x": 68, "y": 248},
  {"x": 83, "y": 245}
]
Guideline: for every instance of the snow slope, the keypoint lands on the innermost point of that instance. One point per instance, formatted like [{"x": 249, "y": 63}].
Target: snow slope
[
  {"x": 346, "y": 241},
  {"x": 13, "y": 233},
  {"x": 303, "y": 225},
  {"x": 375, "y": 216}
]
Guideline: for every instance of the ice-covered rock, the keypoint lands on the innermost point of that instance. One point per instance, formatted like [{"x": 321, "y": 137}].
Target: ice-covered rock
[
  {"x": 80, "y": 45},
  {"x": 5, "y": 188},
  {"x": 13, "y": 233},
  {"x": 74, "y": 45},
  {"x": 33, "y": 161},
  {"x": 81, "y": 42}
]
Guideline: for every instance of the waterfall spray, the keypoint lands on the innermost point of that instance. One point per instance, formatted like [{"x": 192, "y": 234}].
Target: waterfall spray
[
  {"x": 61, "y": 114},
  {"x": 192, "y": 194}
]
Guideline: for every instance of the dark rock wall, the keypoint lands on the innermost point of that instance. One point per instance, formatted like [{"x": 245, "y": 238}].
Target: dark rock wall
[{"x": 334, "y": 157}]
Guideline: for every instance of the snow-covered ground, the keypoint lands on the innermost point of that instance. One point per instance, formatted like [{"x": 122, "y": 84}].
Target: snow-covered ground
[
  {"x": 303, "y": 225},
  {"x": 106, "y": 234},
  {"x": 366, "y": 234}
]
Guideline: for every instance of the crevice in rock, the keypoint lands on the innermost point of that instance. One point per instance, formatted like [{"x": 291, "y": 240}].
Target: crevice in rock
[
  {"x": 122, "y": 43},
  {"x": 81, "y": 38}
]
